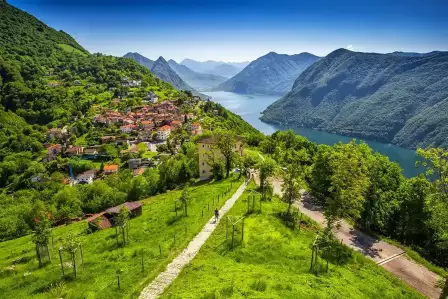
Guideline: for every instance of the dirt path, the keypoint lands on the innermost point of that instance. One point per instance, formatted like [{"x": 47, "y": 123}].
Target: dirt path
[
  {"x": 390, "y": 257},
  {"x": 164, "y": 279}
]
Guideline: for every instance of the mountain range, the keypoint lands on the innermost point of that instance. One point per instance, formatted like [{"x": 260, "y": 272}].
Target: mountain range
[
  {"x": 402, "y": 99},
  {"x": 199, "y": 81},
  {"x": 163, "y": 71},
  {"x": 219, "y": 68},
  {"x": 270, "y": 74}
]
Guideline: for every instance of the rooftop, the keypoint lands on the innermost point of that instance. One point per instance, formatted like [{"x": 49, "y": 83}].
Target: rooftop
[
  {"x": 129, "y": 205},
  {"x": 111, "y": 167}
]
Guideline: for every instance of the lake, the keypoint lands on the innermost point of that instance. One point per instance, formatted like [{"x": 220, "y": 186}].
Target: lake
[{"x": 249, "y": 108}]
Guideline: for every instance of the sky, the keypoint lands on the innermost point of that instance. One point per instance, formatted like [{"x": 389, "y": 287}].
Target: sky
[{"x": 244, "y": 30}]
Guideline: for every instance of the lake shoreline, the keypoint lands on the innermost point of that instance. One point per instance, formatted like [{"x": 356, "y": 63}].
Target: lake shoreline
[{"x": 250, "y": 108}]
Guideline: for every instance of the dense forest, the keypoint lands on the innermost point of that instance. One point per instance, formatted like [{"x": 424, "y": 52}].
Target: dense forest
[
  {"x": 353, "y": 182},
  {"x": 383, "y": 97}
]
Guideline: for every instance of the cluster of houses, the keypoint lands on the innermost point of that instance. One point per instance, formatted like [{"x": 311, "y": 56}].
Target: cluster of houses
[
  {"x": 130, "y": 83},
  {"x": 146, "y": 120},
  {"x": 144, "y": 123}
]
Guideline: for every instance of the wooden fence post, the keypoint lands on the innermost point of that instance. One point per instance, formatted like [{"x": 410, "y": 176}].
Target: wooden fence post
[
  {"x": 233, "y": 235},
  {"x": 62, "y": 265},
  {"x": 242, "y": 231}
]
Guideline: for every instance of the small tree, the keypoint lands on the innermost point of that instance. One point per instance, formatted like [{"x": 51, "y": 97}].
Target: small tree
[
  {"x": 70, "y": 244},
  {"x": 226, "y": 143},
  {"x": 41, "y": 237},
  {"x": 122, "y": 222},
  {"x": 267, "y": 169},
  {"x": 291, "y": 189},
  {"x": 185, "y": 199}
]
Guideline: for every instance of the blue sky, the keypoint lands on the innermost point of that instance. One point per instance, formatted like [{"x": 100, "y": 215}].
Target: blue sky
[{"x": 244, "y": 30}]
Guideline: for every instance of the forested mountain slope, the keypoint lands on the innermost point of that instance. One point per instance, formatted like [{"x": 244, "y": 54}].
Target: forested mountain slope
[
  {"x": 389, "y": 98},
  {"x": 48, "y": 80},
  {"x": 270, "y": 74}
]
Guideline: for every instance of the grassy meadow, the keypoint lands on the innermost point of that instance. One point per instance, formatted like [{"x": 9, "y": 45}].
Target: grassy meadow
[
  {"x": 21, "y": 277},
  {"x": 274, "y": 262}
]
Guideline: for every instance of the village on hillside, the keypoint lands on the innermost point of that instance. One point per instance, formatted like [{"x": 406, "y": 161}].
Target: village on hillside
[{"x": 135, "y": 132}]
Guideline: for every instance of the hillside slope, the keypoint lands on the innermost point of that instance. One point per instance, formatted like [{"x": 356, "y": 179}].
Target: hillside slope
[
  {"x": 389, "y": 98},
  {"x": 197, "y": 80},
  {"x": 270, "y": 74}
]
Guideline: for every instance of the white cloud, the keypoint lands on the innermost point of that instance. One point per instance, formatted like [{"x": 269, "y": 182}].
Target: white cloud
[{"x": 350, "y": 47}]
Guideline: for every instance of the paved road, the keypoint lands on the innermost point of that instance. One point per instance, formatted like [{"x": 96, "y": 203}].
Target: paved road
[
  {"x": 165, "y": 278},
  {"x": 392, "y": 258}
]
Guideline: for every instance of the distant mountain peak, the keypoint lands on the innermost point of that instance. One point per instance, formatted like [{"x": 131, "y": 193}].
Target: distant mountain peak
[
  {"x": 161, "y": 59},
  {"x": 271, "y": 73}
]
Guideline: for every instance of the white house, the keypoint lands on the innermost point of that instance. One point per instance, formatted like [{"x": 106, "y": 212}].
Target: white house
[
  {"x": 151, "y": 97},
  {"x": 86, "y": 177},
  {"x": 163, "y": 133},
  {"x": 127, "y": 128}
]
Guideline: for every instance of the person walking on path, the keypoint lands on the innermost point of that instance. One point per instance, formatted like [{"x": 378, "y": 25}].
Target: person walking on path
[{"x": 216, "y": 215}]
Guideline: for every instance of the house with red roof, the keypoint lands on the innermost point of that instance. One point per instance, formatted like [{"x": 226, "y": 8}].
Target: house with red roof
[
  {"x": 196, "y": 129},
  {"x": 163, "y": 133},
  {"x": 74, "y": 151},
  {"x": 128, "y": 128},
  {"x": 53, "y": 151},
  {"x": 175, "y": 124},
  {"x": 110, "y": 169},
  {"x": 147, "y": 124}
]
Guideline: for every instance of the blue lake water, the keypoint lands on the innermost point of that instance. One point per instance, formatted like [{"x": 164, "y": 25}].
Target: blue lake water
[{"x": 249, "y": 108}]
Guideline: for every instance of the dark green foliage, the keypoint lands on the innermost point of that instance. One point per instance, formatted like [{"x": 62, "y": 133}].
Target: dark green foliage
[
  {"x": 388, "y": 98},
  {"x": 220, "y": 118}
]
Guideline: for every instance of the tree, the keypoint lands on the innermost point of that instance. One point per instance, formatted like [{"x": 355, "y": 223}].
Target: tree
[
  {"x": 436, "y": 163},
  {"x": 381, "y": 201},
  {"x": 139, "y": 188},
  {"x": 71, "y": 244},
  {"x": 185, "y": 199},
  {"x": 267, "y": 169},
  {"x": 122, "y": 222},
  {"x": 68, "y": 203},
  {"x": 226, "y": 144},
  {"x": 291, "y": 189},
  {"x": 41, "y": 237},
  {"x": 346, "y": 182}
]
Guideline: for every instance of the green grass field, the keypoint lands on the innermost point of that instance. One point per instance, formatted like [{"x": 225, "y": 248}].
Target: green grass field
[
  {"x": 20, "y": 276},
  {"x": 70, "y": 49},
  {"x": 274, "y": 262}
]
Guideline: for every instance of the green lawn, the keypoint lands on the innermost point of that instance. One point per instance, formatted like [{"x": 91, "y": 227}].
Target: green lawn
[
  {"x": 156, "y": 227},
  {"x": 274, "y": 262},
  {"x": 70, "y": 49}
]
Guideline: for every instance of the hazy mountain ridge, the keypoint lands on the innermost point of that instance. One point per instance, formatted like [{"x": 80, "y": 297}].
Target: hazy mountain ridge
[
  {"x": 219, "y": 68},
  {"x": 197, "y": 80},
  {"x": 272, "y": 74},
  {"x": 389, "y": 98}
]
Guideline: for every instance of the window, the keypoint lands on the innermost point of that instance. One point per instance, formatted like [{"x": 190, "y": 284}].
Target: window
[
  {"x": 203, "y": 164},
  {"x": 203, "y": 171},
  {"x": 202, "y": 145}
]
